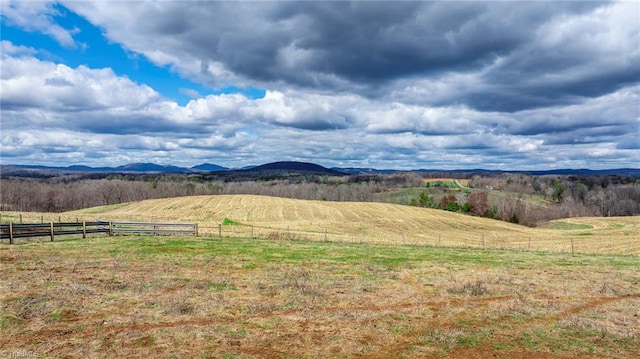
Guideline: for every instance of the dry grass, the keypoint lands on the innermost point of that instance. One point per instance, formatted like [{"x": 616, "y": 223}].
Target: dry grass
[
  {"x": 230, "y": 298},
  {"x": 282, "y": 218},
  {"x": 464, "y": 181}
]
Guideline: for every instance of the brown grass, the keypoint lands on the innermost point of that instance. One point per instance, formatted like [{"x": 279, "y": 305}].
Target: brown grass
[
  {"x": 272, "y": 217},
  {"x": 464, "y": 181},
  {"x": 196, "y": 298}
]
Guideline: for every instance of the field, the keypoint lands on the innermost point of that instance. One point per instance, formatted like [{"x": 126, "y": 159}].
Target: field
[
  {"x": 271, "y": 217},
  {"x": 446, "y": 182},
  {"x": 365, "y": 222},
  {"x": 239, "y": 298},
  {"x": 331, "y": 279}
]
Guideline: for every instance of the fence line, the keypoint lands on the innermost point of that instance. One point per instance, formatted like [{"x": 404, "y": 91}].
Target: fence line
[
  {"x": 153, "y": 228},
  {"x": 13, "y": 231},
  {"x": 488, "y": 240}
]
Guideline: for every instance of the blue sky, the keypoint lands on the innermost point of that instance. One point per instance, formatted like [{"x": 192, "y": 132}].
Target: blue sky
[
  {"x": 95, "y": 51},
  {"x": 497, "y": 85}
]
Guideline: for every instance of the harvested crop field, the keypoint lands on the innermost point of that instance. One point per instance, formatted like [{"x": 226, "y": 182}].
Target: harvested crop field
[
  {"x": 239, "y": 298},
  {"x": 282, "y": 218},
  {"x": 463, "y": 181}
]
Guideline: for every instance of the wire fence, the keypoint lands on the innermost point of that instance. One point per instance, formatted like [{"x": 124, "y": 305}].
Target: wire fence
[
  {"x": 470, "y": 239},
  {"x": 570, "y": 244}
]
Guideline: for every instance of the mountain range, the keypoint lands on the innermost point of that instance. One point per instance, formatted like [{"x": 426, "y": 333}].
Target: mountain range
[{"x": 282, "y": 166}]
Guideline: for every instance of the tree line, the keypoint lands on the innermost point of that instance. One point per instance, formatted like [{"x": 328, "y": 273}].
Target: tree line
[
  {"x": 61, "y": 194},
  {"x": 523, "y": 199},
  {"x": 529, "y": 200}
]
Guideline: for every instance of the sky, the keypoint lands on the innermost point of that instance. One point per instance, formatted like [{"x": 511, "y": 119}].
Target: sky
[{"x": 505, "y": 85}]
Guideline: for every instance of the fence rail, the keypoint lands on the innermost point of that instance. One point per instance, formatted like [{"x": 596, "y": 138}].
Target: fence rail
[
  {"x": 153, "y": 228},
  {"x": 14, "y": 231},
  {"x": 575, "y": 243}
]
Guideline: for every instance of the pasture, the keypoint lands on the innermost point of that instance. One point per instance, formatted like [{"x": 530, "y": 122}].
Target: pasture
[
  {"x": 326, "y": 279},
  {"x": 193, "y": 297},
  {"x": 446, "y": 182},
  {"x": 368, "y": 222}
]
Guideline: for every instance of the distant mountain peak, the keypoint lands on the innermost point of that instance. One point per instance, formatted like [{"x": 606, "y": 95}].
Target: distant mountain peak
[
  {"x": 283, "y": 167},
  {"x": 149, "y": 167},
  {"x": 294, "y": 166},
  {"x": 208, "y": 167}
]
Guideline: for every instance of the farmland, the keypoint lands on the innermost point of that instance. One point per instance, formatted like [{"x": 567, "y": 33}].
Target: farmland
[
  {"x": 446, "y": 182},
  {"x": 234, "y": 298},
  {"x": 376, "y": 223},
  {"x": 308, "y": 279},
  {"x": 365, "y": 222}
]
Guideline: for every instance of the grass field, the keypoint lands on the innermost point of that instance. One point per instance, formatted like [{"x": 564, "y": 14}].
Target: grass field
[
  {"x": 446, "y": 182},
  {"x": 186, "y": 297},
  {"x": 272, "y": 217}
]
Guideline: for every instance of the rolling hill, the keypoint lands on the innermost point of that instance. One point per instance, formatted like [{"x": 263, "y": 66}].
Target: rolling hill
[
  {"x": 293, "y": 167},
  {"x": 19, "y": 170},
  {"x": 272, "y": 217}
]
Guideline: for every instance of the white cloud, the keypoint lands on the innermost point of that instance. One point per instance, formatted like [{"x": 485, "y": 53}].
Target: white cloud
[
  {"x": 31, "y": 83},
  {"x": 415, "y": 85},
  {"x": 9, "y": 49},
  {"x": 425, "y": 120},
  {"x": 190, "y": 92},
  {"x": 37, "y": 16},
  {"x": 119, "y": 121}
]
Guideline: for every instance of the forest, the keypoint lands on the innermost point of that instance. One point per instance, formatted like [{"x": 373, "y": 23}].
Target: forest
[{"x": 517, "y": 198}]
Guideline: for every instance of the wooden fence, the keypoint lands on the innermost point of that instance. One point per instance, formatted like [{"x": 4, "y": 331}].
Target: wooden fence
[
  {"x": 14, "y": 231},
  {"x": 153, "y": 228},
  {"x": 564, "y": 244}
]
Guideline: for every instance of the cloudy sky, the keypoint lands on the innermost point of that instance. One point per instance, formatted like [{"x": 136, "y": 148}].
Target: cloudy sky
[{"x": 496, "y": 85}]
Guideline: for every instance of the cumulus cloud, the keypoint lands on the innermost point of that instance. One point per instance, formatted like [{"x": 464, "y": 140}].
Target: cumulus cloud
[
  {"x": 528, "y": 54},
  {"x": 28, "y": 82},
  {"x": 387, "y": 84},
  {"x": 190, "y": 92},
  {"x": 8, "y": 48},
  {"x": 136, "y": 120}
]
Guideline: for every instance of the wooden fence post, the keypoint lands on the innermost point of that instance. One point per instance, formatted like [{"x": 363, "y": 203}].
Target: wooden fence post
[
  {"x": 20, "y": 218},
  {"x": 11, "y": 232},
  {"x": 572, "y": 249},
  {"x": 84, "y": 229},
  {"x": 110, "y": 228},
  {"x": 51, "y": 230}
]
